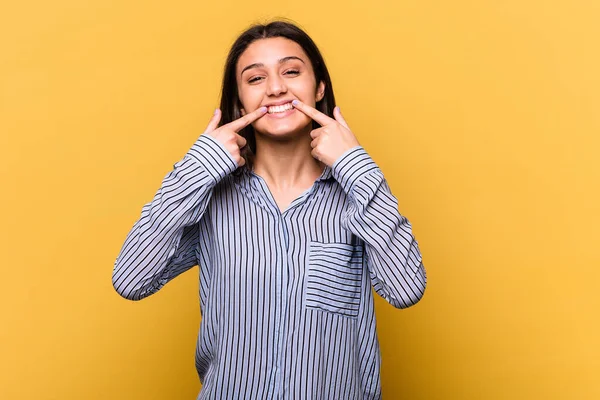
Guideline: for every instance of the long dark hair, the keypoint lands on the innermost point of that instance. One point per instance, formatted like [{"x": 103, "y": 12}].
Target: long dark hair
[{"x": 230, "y": 103}]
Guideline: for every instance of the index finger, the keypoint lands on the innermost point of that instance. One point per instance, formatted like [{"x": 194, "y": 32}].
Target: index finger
[
  {"x": 312, "y": 112},
  {"x": 247, "y": 119}
]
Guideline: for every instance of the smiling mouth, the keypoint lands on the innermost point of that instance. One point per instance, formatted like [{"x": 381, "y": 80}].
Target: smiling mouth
[{"x": 280, "y": 109}]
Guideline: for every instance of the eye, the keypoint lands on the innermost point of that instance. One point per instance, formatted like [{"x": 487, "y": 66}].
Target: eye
[
  {"x": 292, "y": 71},
  {"x": 254, "y": 79}
]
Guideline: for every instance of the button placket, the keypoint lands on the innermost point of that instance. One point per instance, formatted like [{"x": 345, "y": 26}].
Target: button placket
[{"x": 281, "y": 277}]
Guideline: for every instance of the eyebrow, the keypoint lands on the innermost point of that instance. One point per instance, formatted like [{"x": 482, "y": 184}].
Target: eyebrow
[{"x": 281, "y": 61}]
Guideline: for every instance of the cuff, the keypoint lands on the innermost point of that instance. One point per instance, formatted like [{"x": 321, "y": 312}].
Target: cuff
[
  {"x": 351, "y": 166},
  {"x": 213, "y": 156}
]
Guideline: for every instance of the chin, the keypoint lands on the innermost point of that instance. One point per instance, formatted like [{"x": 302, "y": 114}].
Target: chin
[{"x": 283, "y": 127}]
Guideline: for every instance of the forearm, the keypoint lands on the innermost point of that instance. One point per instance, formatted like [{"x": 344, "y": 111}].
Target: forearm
[
  {"x": 392, "y": 252},
  {"x": 161, "y": 243}
]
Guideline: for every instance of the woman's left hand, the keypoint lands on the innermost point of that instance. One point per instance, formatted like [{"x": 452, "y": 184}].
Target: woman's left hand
[{"x": 333, "y": 138}]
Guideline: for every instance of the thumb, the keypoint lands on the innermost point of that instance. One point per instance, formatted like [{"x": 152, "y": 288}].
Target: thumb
[
  {"x": 214, "y": 121},
  {"x": 337, "y": 114}
]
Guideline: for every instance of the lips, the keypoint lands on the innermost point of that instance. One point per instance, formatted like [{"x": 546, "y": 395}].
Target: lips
[
  {"x": 280, "y": 114},
  {"x": 279, "y": 108},
  {"x": 278, "y": 103}
]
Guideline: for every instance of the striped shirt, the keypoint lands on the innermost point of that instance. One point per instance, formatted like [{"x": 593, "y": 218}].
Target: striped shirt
[{"x": 285, "y": 297}]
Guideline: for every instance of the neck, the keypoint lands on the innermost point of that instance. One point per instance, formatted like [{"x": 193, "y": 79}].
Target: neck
[{"x": 286, "y": 163}]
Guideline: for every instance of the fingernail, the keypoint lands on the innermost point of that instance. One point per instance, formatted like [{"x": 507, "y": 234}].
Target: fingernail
[
  {"x": 295, "y": 102},
  {"x": 216, "y": 111},
  {"x": 338, "y": 108},
  {"x": 263, "y": 109}
]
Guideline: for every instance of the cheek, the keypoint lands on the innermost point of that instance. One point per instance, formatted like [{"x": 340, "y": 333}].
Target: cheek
[
  {"x": 251, "y": 99},
  {"x": 305, "y": 91},
  {"x": 246, "y": 95}
]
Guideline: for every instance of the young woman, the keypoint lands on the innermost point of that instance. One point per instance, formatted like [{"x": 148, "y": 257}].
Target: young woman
[{"x": 291, "y": 223}]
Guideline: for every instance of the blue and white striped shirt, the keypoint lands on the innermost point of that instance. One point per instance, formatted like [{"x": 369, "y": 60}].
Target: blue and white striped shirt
[{"x": 285, "y": 297}]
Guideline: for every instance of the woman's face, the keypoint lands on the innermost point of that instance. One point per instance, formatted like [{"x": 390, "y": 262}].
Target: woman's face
[{"x": 273, "y": 72}]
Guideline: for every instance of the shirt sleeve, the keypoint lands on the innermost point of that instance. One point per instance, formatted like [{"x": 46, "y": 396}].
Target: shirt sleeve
[
  {"x": 163, "y": 242},
  {"x": 391, "y": 251}
]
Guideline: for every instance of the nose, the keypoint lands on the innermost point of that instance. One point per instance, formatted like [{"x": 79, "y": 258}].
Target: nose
[{"x": 275, "y": 86}]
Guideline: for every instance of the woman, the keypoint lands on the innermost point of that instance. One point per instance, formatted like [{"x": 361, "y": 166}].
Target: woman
[{"x": 291, "y": 223}]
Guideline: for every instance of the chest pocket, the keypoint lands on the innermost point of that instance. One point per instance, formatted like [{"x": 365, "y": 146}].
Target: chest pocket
[{"x": 334, "y": 277}]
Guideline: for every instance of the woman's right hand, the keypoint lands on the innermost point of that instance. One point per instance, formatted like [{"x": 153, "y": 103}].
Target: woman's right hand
[{"x": 228, "y": 135}]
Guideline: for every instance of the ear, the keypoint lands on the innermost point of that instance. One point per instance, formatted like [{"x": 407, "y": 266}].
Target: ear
[{"x": 320, "y": 92}]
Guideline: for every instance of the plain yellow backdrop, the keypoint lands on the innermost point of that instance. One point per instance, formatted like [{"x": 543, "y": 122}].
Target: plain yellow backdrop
[{"x": 483, "y": 115}]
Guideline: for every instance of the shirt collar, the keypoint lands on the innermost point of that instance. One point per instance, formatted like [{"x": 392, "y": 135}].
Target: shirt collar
[{"x": 326, "y": 175}]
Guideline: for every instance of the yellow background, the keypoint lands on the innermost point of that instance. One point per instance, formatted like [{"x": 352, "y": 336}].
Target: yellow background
[{"x": 483, "y": 115}]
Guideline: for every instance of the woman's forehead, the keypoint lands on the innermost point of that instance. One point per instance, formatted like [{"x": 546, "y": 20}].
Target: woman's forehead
[{"x": 270, "y": 52}]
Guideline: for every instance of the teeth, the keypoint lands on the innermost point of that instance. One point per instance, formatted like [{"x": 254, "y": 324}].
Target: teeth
[{"x": 281, "y": 108}]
